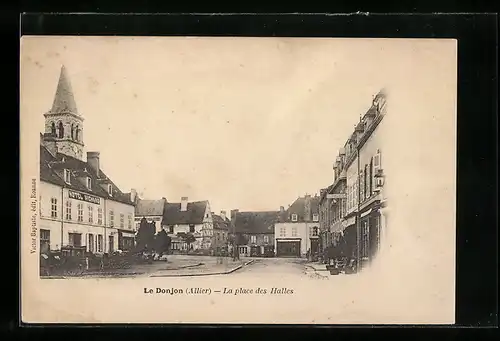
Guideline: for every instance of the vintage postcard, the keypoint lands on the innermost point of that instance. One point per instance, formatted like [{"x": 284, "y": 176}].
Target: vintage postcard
[{"x": 238, "y": 180}]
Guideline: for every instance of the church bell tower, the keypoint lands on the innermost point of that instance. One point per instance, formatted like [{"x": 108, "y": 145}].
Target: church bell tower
[{"x": 63, "y": 123}]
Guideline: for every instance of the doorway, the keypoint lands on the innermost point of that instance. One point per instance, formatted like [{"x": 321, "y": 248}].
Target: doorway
[{"x": 111, "y": 244}]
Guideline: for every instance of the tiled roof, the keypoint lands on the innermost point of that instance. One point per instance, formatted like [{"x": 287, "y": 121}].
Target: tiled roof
[
  {"x": 299, "y": 208},
  {"x": 256, "y": 222},
  {"x": 220, "y": 223},
  {"x": 149, "y": 207},
  {"x": 172, "y": 214},
  {"x": 52, "y": 171},
  {"x": 46, "y": 173}
]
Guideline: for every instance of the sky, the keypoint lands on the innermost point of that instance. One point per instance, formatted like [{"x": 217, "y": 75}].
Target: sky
[{"x": 247, "y": 123}]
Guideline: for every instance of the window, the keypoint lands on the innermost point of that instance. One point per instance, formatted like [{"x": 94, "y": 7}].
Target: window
[
  {"x": 91, "y": 214},
  {"x": 294, "y": 217},
  {"x": 282, "y": 232},
  {"x": 80, "y": 212},
  {"x": 89, "y": 183},
  {"x": 294, "y": 232},
  {"x": 365, "y": 239},
  {"x": 130, "y": 222},
  {"x": 266, "y": 239},
  {"x": 53, "y": 207},
  {"x": 53, "y": 129},
  {"x": 356, "y": 188},
  {"x": 314, "y": 231},
  {"x": 99, "y": 216},
  {"x": 44, "y": 235},
  {"x": 171, "y": 229},
  {"x": 376, "y": 166},
  {"x": 67, "y": 176},
  {"x": 348, "y": 203},
  {"x": 191, "y": 228},
  {"x": 253, "y": 239},
  {"x": 362, "y": 185},
  {"x": 366, "y": 182},
  {"x": 68, "y": 210},
  {"x": 61, "y": 130},
  {"x": 122, "y": 220},
  {"x": 110, "y": 189},
  {"x": 370, "y": 187},
  {"x": 91, "y": 243},
  {"x": 99, "y": 242},
  {"x": 75, "y": 239},
  {"x": 315, "y": 217},
  {"x": 111, "y": 218}
]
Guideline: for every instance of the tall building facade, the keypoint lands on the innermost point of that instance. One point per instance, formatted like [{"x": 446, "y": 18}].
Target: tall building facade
[
  {"x": 297, "y": 233},
  {"x": 353, "y": 210},
  {"x": 81, "y": 208}
]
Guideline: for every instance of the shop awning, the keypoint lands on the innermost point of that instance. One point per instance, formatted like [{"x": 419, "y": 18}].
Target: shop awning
[
  {"x": 373, "y": 210},
  {"x": 364, "y": 214},
  {"x": 337, "y": 227},
  {"x": 349, "y": 221}
]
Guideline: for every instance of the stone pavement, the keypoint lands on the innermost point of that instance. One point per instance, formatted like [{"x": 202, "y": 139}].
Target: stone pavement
[{"x": 206, "y": 269}]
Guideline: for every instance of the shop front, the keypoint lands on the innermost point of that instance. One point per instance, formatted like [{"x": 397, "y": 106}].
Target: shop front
[
  {"x": 288, "y": 247},
  {"x": 348, "y": 239},
  {"x": 370, "y": 229},
  {"x": 126, "y": 240}
]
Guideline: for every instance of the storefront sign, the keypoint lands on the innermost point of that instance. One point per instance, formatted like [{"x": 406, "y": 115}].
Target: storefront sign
[
  {"x": 336, "y": 196},
  {"x": 84, "y": 197}
]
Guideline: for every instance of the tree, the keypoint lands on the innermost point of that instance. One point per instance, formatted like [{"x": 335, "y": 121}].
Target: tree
[
  {"x": 145, "y": 236},
  {"x": 162, "y": 242}
]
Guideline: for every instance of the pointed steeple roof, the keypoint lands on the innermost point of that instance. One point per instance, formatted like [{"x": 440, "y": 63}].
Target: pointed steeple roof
[{"x": 64, "y": 101}]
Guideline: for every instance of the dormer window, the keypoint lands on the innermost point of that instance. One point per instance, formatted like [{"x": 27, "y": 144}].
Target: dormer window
[
  {"x": 294, "y": 217},
  {"x": 67, "y": 176},
  {"x": 89, "y": 182},
  {"x": 110, "y": 189},
  {"x": 315, "y": 217}
]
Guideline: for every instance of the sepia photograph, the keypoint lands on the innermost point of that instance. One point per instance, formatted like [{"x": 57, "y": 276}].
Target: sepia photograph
[{"x": 237, "y": 180}]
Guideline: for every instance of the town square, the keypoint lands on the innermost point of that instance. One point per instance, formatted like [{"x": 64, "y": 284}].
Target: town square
[
  {"x": 255, "y": 179},
  {"x": 89, "y": 226}
]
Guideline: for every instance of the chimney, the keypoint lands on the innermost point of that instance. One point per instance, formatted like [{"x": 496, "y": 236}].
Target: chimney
[
  {"x": 49, "y": 143},
  {"x": 282, "y": 209},
  {"x": 223, "y": 215},
  {"x": 233, "y": 213},
  {"x": 307, "y": 208},
  {"x": 184, "y": 203},
  {"x": 133, "y": 195},
  {"x": 93, "y": 161}
]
